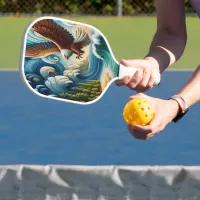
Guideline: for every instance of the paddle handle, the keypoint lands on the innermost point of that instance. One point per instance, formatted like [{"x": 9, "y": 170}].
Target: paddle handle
[{"x": 130, "y": 71}]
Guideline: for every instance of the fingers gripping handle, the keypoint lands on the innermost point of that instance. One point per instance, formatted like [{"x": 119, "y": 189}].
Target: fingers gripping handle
[
  {"x": 126, "y": 71},
  {"x": 130, "y": 71}
]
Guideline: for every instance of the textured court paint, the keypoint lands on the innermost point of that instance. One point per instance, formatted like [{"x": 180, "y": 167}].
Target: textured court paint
[{"x": 35, "y": 130}]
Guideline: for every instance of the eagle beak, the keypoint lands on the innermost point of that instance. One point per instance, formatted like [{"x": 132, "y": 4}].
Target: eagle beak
[{"x": 67, "y": 58}]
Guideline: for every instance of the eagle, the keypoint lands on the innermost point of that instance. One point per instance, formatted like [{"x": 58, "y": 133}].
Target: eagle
[{"x": 59, "y": 39}]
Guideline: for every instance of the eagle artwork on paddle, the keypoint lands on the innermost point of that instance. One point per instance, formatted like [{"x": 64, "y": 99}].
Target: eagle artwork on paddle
[{"x": 59, "y": 39}]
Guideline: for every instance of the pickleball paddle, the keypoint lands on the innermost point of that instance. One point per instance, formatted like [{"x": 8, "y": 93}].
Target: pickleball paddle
[{"x": 69, "y": 61}]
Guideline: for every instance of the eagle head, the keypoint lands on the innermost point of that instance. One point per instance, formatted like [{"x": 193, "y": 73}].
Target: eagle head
[{"x": 66, "y": 53}]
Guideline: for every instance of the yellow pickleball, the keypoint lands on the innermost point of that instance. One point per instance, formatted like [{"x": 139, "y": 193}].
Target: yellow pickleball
[{"x": 138, "y": 112}]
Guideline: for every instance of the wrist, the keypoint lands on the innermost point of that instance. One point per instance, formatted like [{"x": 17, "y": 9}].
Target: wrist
[
  {"x": 182, "y": 107},
  {"x": 163, "y": 56},
  {"x": 154, "y": 63},
  {"x": 175, "y": 107}
]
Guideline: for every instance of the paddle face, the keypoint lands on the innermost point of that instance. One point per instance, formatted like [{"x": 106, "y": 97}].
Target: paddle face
[{"x": 67, "y": 61}]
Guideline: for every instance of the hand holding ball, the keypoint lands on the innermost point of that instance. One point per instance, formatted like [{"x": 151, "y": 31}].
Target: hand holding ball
[{"x": 138, "y": 111}]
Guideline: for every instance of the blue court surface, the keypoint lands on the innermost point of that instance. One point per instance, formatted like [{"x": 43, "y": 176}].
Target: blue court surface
[{"x": 35, "y": 130}]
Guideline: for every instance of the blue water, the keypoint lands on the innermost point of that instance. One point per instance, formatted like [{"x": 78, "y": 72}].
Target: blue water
[{"x": 34, "y": 130}]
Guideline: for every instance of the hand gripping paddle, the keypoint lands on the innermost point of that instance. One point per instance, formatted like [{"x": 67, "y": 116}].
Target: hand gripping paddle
[{"x": 69, "y": 61}]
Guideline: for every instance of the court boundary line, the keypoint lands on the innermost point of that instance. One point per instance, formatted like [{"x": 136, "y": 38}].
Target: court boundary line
[
  {"x": 168, "y": 70},
  {"x": 181, "y": 69},
  {"x": 8, "y": 70}
]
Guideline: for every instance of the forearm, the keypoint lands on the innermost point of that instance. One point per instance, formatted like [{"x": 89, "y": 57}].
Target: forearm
[
  {"x": 170, "y": 38},
  {"x": 191, "y": 91},
  {"x": 166, "y": 49}
]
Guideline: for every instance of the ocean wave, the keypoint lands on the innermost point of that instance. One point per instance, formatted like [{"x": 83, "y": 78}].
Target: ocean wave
[
  {"x": 95, "y": 40},
  {"x": 43, "y": 89},
  {"x": 35, "y": 65},
  {"x": 34, "y": 37},
  {"x": 47, "y": 71},
  {"x": 101, "y": 51},
  {"x": 59, "y": 84},
  {"x": 51, "y": 59},
  {"x": 34, "y": 79},
  {"x": 72, "y": 74}
]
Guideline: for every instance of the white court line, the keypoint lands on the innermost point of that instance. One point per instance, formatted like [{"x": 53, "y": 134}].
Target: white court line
[
  {"x": 180, "y": 70},
  {"x": 169, "y": 70},
  {"x": 8, "y": 70}
]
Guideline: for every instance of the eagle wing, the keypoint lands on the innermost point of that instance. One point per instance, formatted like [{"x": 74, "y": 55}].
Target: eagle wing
[
  {"x": 41, "y": 49},
  {"x": 82, "y": 39},
  {"x": 54, "y": 32}
]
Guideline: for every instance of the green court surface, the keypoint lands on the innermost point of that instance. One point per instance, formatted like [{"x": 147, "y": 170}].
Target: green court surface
[{"x": 129, "y": 38}]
